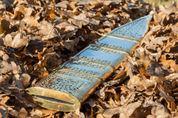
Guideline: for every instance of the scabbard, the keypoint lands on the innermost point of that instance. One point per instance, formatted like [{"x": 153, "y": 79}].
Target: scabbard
[{"x": 71, "y": 83}]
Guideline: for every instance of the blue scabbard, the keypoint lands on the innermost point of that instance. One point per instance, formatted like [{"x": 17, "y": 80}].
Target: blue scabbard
[{"x": 67, "y": 87}]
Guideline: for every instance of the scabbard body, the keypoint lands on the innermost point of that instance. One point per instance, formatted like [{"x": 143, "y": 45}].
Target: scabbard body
[{"x": 67, "y": 87}]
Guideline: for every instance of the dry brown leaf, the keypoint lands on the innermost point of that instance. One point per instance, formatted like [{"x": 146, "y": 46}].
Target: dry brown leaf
[
  {"x": 126, "y": 100},
  {"x": 17, "y": 84},
  {"x": 5, "y": 57},
  {"x": 80, "y": 114},
  {"x": 169, "y": 45},
  {"x": 99, "y": 116},
  {"x": 47, "y": 30},
  {"x": 172, "y": 76},
  {"x": 95, "y": 4},
  {"x": 158, "y": 110},
  {"x": 5, "y": 67},
  {"x": 19, "y": 13},
  {"x": 4, "y": 79},
  {"x": 25, "y": 78},
  {"x": 101, "y": 93},
  {"x": 168, "y": 63},
  {"x": 39, "y": 70},
  {"x": 72, "y": 5},
  {"x": 4, "y": 99},
  {"x": 16, "y": 68},
  {"x": 23, "y": 113},
  {"x": 163, "y": 18},
  {"x": 70, "y": 44},
  {"x": 66, "y": 26},
  {"x": 123, "y": 111},
  {"x": 125, "y": 90},
  {"x": 82, "y": 17},
  {"x": 5, "y": 25},
  {"x": 31, "y": 21},
  {"x": 78, "y": 23},
  {"x": 50, "y": 60},
  {"x": 107, "y": 23},
  {"x": 163, "y": 9},
  {"x": 17, "y": 42},
  {"x": 2, "y": 6},
  {"x": 8, "y": 40},
  {"x": 134, "y": 80},
  {"x": 40, "y": 111},
  {"x": 76, "y": 114},
  {"x": 62, "y": 4},
  {"x": 169, "y": 99},
  {"x": 147, "y": 36},
  {"x": 158, "y": 41},
  {"x": 155, "y": 69},
  {"x": 36, "y": 113}
]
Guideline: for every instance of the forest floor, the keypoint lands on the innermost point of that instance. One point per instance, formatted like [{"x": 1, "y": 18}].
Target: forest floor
[{"x": 39, "y": 35}]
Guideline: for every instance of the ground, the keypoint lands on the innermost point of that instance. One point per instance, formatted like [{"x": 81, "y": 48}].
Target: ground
[{"x": 38, "y": 36}]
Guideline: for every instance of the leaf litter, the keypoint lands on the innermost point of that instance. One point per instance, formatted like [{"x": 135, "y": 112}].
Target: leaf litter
[{"x": 35, "y": 34}]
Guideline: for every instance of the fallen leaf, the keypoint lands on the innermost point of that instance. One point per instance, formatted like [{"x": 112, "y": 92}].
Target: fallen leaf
[
  {"x": 23, "y": 113},
  {"x": 17, "y": 42},
  {"x": 25, "y": 78},
  {"x": 36, "y": 113},
  {"x": 5, "y": 67},
  {"x": 5, "y": 26},
  {"x": 70, "y": 44},
  {"x": 47, "y": 30},
  {"x": 158, "y": 110},
  {"x": 50, "y": 60},
  {"x": 169, "y": 99},
  {"x": 123, "y": 111}
]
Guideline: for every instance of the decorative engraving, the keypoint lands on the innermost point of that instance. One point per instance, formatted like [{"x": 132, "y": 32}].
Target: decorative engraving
[
  {"x": 100, "y": 55},
  {"x": 135, "y": 29},
  {"x": 62, "y": 84},
  {"x": 105, "y": 50},
  {"x": 75, "y": 69},
  {"x": 112, "y": 46},
  {"x": 90, "y": 65},
  {"x": 121, "y": 37},
  {"x": 117, "y": 43},
  {"x": 77, "y": 76},
  {"x": 99, "y": 61}
]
